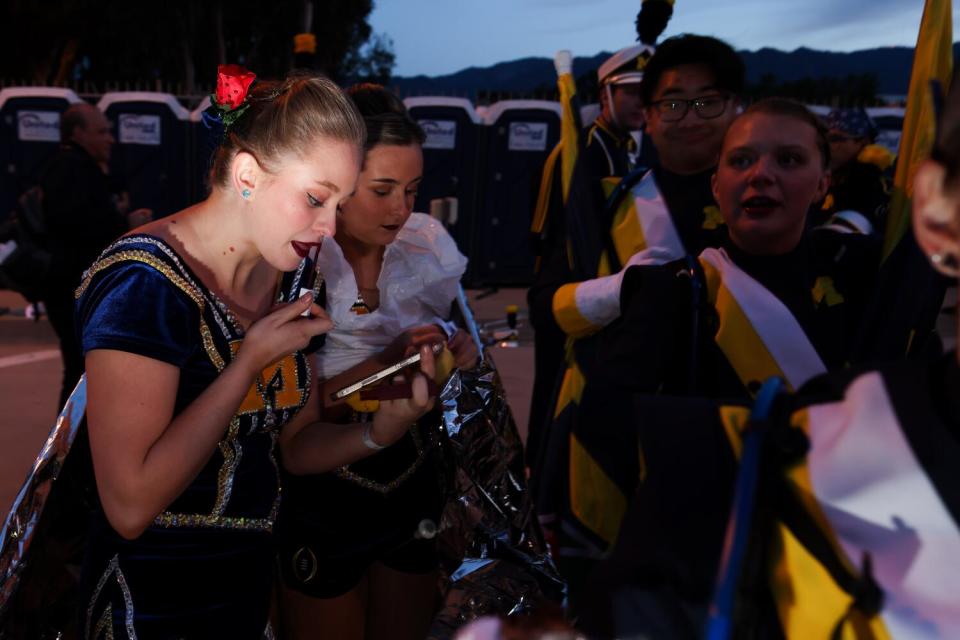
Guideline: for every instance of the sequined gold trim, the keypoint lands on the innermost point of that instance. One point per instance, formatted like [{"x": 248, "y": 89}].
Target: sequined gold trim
[
  {"x": 231, "y": 451},
  {"x": 387, "y": 487},
  {"x": 275, "y": 509},
  {"x": 139, "y": 255},
  {"x": 172, "y": 520},
  {"x": 105, "y": 622},
  {"x": 113, "y": 568},
  {"x": 192, "y": 291},
  {"x": 210, "y": 347}
]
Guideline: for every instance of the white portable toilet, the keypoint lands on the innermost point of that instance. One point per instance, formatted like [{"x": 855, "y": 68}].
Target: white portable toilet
[
  {"x": 152, "y": 152},
  {"x": 452, "y": 161},
  {"x": 520, "y": 136},
  {"x": 29, "y": 135}
]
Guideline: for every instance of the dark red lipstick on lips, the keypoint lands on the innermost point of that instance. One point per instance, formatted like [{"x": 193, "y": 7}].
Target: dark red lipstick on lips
[{"x": 305, "y": 249}]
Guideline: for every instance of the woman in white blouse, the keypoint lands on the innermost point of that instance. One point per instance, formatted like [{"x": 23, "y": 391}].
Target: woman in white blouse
[{"x": 352, "y": 562}]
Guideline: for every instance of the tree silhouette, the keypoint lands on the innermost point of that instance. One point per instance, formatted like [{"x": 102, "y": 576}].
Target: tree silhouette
[{"x": 181, "y": 42}]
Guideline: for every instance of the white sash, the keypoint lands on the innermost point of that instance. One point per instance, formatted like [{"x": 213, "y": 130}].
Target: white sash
[
  {"x": 776, "y": 327},
  {"x": 878, "y": 499},
  {"x": 598, "y": 300}
]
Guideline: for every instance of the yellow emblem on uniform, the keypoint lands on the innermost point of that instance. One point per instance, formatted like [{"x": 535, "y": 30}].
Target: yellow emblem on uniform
[
  {"x": 712, "y": 218},
  {"x": 824, "y": 289},
  {"x": 279, "y": 382}
]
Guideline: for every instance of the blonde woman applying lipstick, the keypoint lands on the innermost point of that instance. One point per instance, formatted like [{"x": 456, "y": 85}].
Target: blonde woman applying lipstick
[
  {"x": 351, "y": 562},
  {"x": 193, "y": 368}
]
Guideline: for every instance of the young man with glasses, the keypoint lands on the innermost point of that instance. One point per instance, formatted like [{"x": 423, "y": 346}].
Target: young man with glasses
[
  {"x": 656, "y": 215},
  {"x": 691, "y": 91}
]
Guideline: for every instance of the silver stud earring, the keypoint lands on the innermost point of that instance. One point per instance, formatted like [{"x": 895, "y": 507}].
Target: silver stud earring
[
  {"x": 946, "y": 263},
  {"x": 245, "y": 193}
]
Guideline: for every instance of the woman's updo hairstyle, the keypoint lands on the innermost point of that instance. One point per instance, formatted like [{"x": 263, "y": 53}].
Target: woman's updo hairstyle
[
  {"x": 385, "y": 116},
  {"x": 946, "y": 149},
  {"x": 788, "y": 108},
  {"x": 288, "y": 117}
]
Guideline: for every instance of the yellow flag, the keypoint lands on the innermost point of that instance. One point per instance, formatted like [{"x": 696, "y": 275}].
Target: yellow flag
[
  {"x": 932, "y": 60},
  {"x": 569, "y": 126},
  {"x": 568, "y": 148}
]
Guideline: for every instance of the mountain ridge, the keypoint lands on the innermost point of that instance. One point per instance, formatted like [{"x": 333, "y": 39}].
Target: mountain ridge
[{"x": 890, "y": 65}]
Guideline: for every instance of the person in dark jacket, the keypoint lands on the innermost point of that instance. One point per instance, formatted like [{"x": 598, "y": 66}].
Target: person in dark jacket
[
  {"x": 82, "y": 217},
  {"x": 690, "y": 90}
]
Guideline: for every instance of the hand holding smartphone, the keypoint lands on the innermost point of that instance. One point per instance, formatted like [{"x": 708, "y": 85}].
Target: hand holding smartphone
[{"x": 385, "y": 373}]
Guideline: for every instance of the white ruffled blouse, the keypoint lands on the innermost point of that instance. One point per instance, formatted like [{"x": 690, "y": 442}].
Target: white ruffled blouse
[{"x": 418, "y": 283}]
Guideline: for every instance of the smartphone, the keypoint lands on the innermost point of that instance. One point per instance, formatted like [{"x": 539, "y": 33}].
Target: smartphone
[{"x": 383, "y": 373}]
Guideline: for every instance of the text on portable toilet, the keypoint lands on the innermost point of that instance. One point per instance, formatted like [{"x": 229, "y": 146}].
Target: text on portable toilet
[
  {"x": 38, "y": 126},
  {"x": 441, "y": 134},
  {"x": 139, "y": 128},
  {"x": 527, "y": 136}
]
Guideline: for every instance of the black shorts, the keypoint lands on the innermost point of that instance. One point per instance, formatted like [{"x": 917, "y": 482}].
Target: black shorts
[{"x": 332, "y": 528}]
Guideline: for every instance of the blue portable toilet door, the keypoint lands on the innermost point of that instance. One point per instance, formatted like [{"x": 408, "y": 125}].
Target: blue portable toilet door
[
  {"x": 451, "y": 163},
  {"x": 520, "y": 137},
  {"x": 151, "y": 158},
  {"x": 29, "y": 136}
]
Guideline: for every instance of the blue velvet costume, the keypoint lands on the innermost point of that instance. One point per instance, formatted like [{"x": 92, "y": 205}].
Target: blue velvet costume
[{"x": 203, "y": 569}]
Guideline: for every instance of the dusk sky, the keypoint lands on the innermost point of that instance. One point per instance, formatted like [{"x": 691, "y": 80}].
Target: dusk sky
[{"x": 436, "y": 37}]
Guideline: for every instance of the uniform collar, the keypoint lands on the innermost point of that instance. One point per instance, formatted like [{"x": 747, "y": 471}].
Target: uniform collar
[{"x": 619, "y": 139}]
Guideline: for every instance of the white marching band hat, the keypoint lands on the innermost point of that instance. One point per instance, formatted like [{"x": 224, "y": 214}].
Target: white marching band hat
[{"x": 625, "y": 66}]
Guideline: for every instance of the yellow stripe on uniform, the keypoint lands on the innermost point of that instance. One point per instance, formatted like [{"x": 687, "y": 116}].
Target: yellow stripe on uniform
[
  {"x": 809, "y": 602},
  {"x": 543, "y": 197},
  {"x": 626, "y": 231},
  {"x": 568, "y": 314},
  {"x": 734, "y": 420},
  {"x": 628, "y": 239},
  {"x": 571, "y": 389},
  {"x": 737, "y": 337},
  {"x": 595, "y": 499}
]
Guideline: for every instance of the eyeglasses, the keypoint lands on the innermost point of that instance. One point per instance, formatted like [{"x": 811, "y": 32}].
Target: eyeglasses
[{"x": 706, "y": 107}]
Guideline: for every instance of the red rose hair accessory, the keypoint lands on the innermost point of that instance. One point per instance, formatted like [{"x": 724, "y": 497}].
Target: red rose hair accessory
[{"x": 230, "y": 100}]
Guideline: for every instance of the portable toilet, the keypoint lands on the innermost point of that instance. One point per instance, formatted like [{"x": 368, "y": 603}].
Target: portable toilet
[
  {"x": 29, "y": 135},
  {"x": 451, "y": 163},
  {"x": 151, "y": 157},
  {"x": 520, "y": 136}
]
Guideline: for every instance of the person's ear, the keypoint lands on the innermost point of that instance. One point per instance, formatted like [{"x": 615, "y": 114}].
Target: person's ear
[
  {"x": 936, "y": 224},
  {"x": 823, "y": 186},
  {"x": 246, "y": 174}
]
